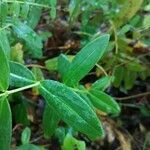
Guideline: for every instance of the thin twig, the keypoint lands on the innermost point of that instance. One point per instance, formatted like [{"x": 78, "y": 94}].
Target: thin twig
[
  {"x": 133, "y": 96},
  {"x": 138, "y": 57},
  {"x": 129, "y": 105},
  {"x": 35, "y": 65}
]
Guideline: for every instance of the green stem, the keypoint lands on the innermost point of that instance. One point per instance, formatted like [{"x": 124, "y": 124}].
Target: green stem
[
  {"x": 102, "y": 69},
  {"x": 5, "y": 27},
  {"x": 19, "y": 89}
]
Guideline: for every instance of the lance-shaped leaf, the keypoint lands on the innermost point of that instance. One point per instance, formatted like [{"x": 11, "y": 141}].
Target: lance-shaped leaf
[
  {"x": 50, "y": 121},
  {"x": 102, "y": 83},
  {"x": 85, "y": 60},
  {"x": 4, "y": 43},
  {"x": 5, "y": 124},
  {"x": 63, "y": 64},
  {"x": 32, "y": 40},
  {"x": 74, "y": 10},
  {"x": 4, "y": 71},
  {"x": 4, "y": 11},
  {"x": 20, "y": 75},
  {"x": 53, "y": 4},
  {"x": 104, "y": 102},
  {"x": 118, "y": 74},
  {"x": 129, "y": 9},
  {"x": 129, "y": 79},
  {"x": 34, "y": 15},
  {"x": 71, "y": 108}
]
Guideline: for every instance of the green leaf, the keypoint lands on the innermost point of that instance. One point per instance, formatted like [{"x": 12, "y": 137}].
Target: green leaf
[
  {"x": 118, "y": 74},
  {"x": 145, "y": 111},
  {"x": 28, "y": 147},
  {"x": 135, "y": 66},
  {"x": 4, "y": 43},
  {"x": 129, "y": 79},
  {"x": 25, "y": 136},
  {"x": 34, "y": 15},
  {"x": 19, "y": 112},
  {"x": 74, "y": 10},
  {"x": 5, "y": 124},
  {"x": 38, "y": 74},
  {"x": 71, "y": 108},
  {"x": 51, "y": 64},
  {"x": 4, "y": 71},
  {"x": 53, "y": 4},
  {"x": 60, "y": 134},
  {"x": 17, "y": 53},
  {"x": 70, "y": 143},
  {"x": 85, "y": 60},
  {"x": 127, "y": 11},
  {"x": 85, "y": 97},
  {"x": 58, "y": 63},
  {"x": 20, "y": 75},
  {"x": 63, "y": 64},
  {"x": 146, "y": 21},
  {"x": 32, "y": 40},
  {"x": 4, "y": 11},
  {"x": 25, "y": 10},
  {"x": 50, "y": 121},
  {"x": 146, "y": 141},
  {"x": 102, "y": 83},
  {"x": 15, "y": 9},
  {"x": 104, "y": 102}
]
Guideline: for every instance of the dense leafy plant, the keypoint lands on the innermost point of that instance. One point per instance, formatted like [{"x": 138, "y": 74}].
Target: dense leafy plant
[{"x": 68, "y": 100}]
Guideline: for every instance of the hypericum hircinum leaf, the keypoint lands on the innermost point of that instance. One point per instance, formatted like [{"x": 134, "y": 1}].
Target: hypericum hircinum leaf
[
  {"x": 20, "y": 75},
  {"x": 31, "y": 38},
  {"x": 104, "y": 102},
  {"x": 5, "y": 124},
  {"x": 85, "y": 60},
  {"x": 71, "y": 108},
  {"x": 4, "y": 71},
  {"x": 50, "y": 121}
]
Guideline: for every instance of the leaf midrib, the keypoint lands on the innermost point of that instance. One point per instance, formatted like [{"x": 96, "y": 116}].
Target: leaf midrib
[{"x": 21, "y": 77}]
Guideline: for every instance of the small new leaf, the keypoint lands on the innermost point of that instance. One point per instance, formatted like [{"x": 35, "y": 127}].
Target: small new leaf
[{"x": 104, "y": 102}]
